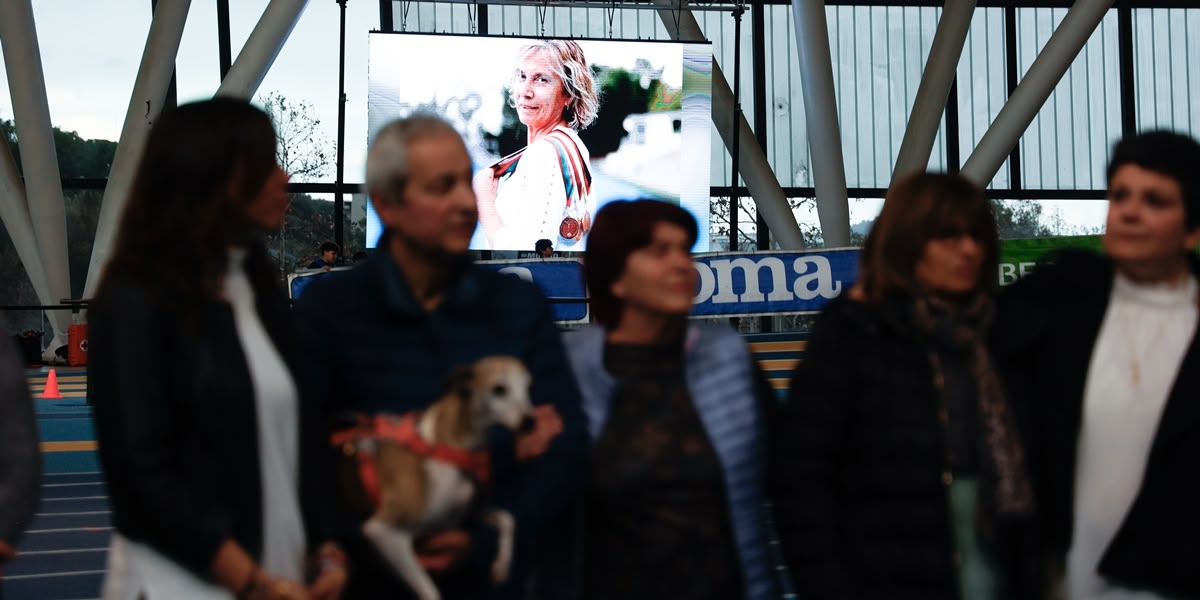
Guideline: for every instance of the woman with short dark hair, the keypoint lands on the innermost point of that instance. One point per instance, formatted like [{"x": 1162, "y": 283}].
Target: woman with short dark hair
[
  {"x": 210, "y": 451},
  {"x": 898, "y": 471},
  {"x": 674, "y": 500},
  {"x": 1102, "y": 348}
]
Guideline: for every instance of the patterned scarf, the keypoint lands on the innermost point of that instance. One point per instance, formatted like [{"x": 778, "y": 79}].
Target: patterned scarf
[{"x": 1005, "y": 491}]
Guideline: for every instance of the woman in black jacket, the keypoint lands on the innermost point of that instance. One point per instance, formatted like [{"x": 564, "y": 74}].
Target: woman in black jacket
[
  {"x": 898, "y": 471},
  {"x": 206, "y": 444},
  {"x": 1103, "y": 350}
]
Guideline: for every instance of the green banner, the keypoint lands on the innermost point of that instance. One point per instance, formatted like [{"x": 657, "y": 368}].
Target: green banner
[{"x": 1018, "y": 257}]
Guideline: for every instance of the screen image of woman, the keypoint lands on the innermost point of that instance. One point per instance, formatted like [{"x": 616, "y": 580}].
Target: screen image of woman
[{"x": 543, "y": 190}]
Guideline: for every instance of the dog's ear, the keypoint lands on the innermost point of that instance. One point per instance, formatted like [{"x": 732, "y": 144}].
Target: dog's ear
[{"x": 461, "y": 382}]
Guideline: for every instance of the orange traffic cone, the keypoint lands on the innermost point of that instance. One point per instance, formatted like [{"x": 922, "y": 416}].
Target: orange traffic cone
[{"x": 51, "y": 390}]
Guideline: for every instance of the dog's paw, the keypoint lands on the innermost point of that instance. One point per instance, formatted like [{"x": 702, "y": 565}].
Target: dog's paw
[
  {"x": 505, "y": 528},
  {"x": 500, "y": 571}
]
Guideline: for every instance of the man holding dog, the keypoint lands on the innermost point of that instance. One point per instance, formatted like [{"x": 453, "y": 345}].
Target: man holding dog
[{"x": 385, "y": 337}]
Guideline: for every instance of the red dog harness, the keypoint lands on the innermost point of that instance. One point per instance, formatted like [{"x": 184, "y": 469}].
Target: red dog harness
[{"x": 403, "y": 430}]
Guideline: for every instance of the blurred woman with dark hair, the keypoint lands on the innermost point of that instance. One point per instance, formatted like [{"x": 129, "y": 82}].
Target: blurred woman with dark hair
[
  {"x": 898, "y": 471},
  {"x": 206, "y": 444},
  {"x": 1103, "y": 349},
  {"x": 674, "y": 499}
]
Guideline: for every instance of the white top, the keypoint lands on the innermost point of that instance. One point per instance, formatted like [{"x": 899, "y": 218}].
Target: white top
[
  {"x": 532, "y": 200},
  {"x": 1141, "y": 344},
  {"x": 135, "y": 568},
  {"x": 277, "y": 405}
]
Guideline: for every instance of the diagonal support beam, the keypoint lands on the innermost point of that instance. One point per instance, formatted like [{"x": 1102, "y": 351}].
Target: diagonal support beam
[
  {"x": 145, "y": 104},
  {"x": 821, "y": 117},
  {"x": 261, "y": 48},
  {"x": 1027, "y": 99},
  {"x": 934, "y": 91},
  {"x": 14, "y": 213},
  {"x": 764, "y": 187},
  {"x": 43, "y": 187}
]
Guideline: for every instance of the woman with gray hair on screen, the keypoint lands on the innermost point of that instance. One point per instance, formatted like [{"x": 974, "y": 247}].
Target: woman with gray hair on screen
[{"x": 542, "y": 190}]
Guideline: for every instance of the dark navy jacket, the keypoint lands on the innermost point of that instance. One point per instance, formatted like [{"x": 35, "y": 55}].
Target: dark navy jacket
[{"x": 371, "y": 347}]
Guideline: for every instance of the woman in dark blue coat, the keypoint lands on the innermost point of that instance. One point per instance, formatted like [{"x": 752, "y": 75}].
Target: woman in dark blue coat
[{"x": 898, "y": 470}]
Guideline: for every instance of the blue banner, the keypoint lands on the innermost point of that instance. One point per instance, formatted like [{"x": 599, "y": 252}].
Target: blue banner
[
  {"x": 746, "y": 283},
  {"x": 731, "y": 284},
  {"x": 298, "y": 281},
  {"x": 754, "y": 283},
  {"x": 559, "y": 278}
]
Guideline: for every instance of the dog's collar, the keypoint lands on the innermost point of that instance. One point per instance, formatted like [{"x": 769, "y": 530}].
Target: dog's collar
[{"x": 403, "y": 430}]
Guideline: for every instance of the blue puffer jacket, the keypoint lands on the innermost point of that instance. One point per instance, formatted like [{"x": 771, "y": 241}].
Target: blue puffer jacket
[{"x": 721, "y": 380}]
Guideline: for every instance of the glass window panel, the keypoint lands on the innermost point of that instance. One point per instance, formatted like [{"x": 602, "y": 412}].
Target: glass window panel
[
  {"x": 747, "y": 225},
  {"x": 430, "y": 17},
  {"x": 1021, "y": 219},
  {"x": 863, "y": 212},
  {"x": 878, "y": 76},
  {"x": 720, "y": 28},
  {"x": 305, "y": 74},
  {"x": 89, "y": 71},
  {"x": 878, "y": 56},
  {"x": 787, "y": 138},
  {"x": 1066, "y": 145},
  {"x": 308, "y": 224},
  {"x": 198, "y": 63},
  {"x": 1166, "y": 58},
  {"x": 559, "y": 21}
]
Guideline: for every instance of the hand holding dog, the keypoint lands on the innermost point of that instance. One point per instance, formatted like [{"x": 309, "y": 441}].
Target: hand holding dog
[
  {"x": 547, "y": 425},
  {"x": 444, "y": 551},
  {"x": 328, "y": 585},
  {"x": 267, "y": 587},
  {"x": 330, "y": 564}
]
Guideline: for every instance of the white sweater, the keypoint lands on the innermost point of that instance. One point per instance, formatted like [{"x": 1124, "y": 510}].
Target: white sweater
[{"x": 1137, "y": 355}]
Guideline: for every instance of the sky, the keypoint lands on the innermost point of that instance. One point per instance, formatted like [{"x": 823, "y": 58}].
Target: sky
[{"x": 91, "y": 50}]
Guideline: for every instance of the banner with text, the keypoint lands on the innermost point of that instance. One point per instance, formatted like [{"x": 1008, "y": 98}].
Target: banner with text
[{"x": 752, "y": 283}]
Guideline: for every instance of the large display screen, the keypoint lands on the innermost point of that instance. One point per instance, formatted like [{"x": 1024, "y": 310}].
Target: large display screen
[{"x": 556, "y": 128}]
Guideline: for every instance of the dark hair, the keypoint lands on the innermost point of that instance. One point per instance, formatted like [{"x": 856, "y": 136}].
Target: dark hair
[
  {"x": 1172, "y": 154},
  {"x": 920, "y": 208},
  {"x": 359, "y": 256},
  {"x": 542, "y": 244},
  {"x": 202, "y": 165},
  {"x": 621, "y": 228},
  {"x": 329, "y": 247}
]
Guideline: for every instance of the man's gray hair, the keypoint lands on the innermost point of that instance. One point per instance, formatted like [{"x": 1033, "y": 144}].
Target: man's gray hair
[{"x": 387, "y": 158}]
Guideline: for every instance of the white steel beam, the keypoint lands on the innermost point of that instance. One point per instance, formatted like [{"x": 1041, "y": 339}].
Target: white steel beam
[
  {"x": 821, "y": 117},
  {"x": 261, "y": 48},
  {"x": 145, "y": 104},
  {"x": 1047, "y": 69},
  {"x": 43, "y": 186},
  {"x": 934, "y": 90}
]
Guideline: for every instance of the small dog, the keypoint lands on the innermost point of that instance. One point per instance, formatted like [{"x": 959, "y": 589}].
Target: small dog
[{"x": 429, "y": 465}]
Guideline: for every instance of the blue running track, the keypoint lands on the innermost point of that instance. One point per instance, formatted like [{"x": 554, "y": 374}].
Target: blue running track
[{"x": 63, "y": 553}]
